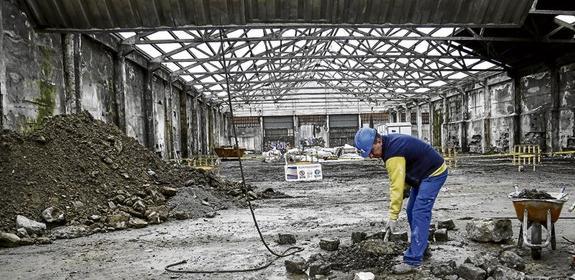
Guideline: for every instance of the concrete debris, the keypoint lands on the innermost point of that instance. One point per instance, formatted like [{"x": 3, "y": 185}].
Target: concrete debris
[
  {"x": 378, "y": 247},
  {"x": 137, "y": 223},
  {"x": 284, "y": 239},
  {"x": 53, "y": 215},
  {"x": 398, "y": 236},
  {"x": 447, "y": 224},
  {"x": 486, "y": 261},
  {"x": 489, "y": 230},
  {"x": 319, "y": 267},
  {"x": 168, "y": 191},
  {"x": 512, "y": 260},
  {"x": 468, "y": 271},
  {"x": 119, "y": 220},
  {"x": 357, "y": 237},
  {"x": 444, "y": 268},
  {"x": 296, "y": 265},
  {"x": 32, "y": 227},
  {"x": 9, "y": 240},
  {"x": 22, "y": 233},
  {"x": 329, "y": 244},
  {"x": 441, "y": 235},
  {"x": 364, "y": 276},
  {"x": 67, "y": 232},
  {"x": 505, "y": 273}
]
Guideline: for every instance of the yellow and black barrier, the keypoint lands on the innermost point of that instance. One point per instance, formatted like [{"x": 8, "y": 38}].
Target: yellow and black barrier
[
  {"x": 450, "y": 157},
  {"x": 525, "y": 155}
]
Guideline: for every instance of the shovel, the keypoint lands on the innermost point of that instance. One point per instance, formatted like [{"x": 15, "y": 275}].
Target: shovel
[{"x": 386, "y": 235}]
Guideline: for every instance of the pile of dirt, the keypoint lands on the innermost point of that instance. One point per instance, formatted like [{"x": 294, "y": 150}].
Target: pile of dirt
[
  {"x": 372, "y": 254},
  {"x": 533, "y": 194},
  {"x": 97, "y": 176}
]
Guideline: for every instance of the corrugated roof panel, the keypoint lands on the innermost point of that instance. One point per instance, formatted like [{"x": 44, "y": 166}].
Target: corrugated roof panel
[{"x": 133, "y": 14}]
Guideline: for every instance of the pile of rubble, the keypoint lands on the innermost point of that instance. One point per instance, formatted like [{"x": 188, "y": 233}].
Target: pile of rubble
[{"x": 76, "y": 175}]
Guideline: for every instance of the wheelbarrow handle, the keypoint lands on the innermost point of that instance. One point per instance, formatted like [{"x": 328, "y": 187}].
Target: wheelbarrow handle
[{"x": 525, "y": 223}]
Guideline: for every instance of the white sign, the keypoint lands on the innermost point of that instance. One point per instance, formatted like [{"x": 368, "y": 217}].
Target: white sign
[{"x": 303, "y": 172}]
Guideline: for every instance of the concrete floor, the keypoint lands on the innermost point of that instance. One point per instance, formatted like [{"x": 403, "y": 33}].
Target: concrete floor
[{"x": 351, "y": 197}]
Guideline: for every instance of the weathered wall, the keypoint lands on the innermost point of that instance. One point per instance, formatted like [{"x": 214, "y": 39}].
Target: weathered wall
[
  {"x": 535, "y": 93},
  {"x": 43, "y": 74},
  {"x": 567, "y": 107}
]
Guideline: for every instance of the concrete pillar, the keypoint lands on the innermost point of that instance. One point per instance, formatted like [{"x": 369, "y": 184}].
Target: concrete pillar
[
  {"x": 119, "y": 111},
  {"x": 431, "y": 121},
  {"x": 444, "y": 132},
  {"x": 77, "y": 73},
  {"x": 2, "y": 67},
  {"x": 194, "y": 110},
  {"x": 486, "y": 127},
  {"x": 328, "y": 132},
  {"x": 554, "y": 119},
  {"x": 69, "y": 105},
  {"x": 203, "y": 125},
  {"x": 295, "y": 125},
  {"x": 464, "y": 121},
  {"x": 148, "y": 108},
  {"x": 419, "y": 122},
  {"x": 516, "y": 123},
  {"x": 184, "y": 124}
]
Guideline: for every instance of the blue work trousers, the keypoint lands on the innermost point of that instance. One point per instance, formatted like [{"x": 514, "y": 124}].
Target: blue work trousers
[{"x": 421, "y": 200}]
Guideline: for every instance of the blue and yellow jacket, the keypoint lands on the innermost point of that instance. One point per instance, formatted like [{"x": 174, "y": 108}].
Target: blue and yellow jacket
[{"x": 408, "y": 161}]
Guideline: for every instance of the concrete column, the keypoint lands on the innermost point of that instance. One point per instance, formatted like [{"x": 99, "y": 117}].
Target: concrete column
[
  {"x": 554, "y": 120},
  {"x": 203, "y": 125},
  {"x": 295, "y": 125},
  {"x": 464, "y": 122},
  {"x": 516, "y": 123},
  {"x": 328, "y": 132},
  {"x": 77, "y": 73},
  {"x": 486, "y": 128},
  {"x": 419, "y": 122},
  {"x": 194, "y": 125},
  {"x": 69, "y": 105},
  {"x": 148, "y": 108},
  {"x": 262, "y": 134},
  {"x": 431, "y": 121},
  {"x": 184, "y": 124},
  {"x": 120, "y": 91},
  {"x": 444, "y": 132},
  {"x": 2, "y": 67}
]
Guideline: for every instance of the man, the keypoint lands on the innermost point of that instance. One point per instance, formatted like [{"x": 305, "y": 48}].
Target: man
[{"x": 409, "y": 162}]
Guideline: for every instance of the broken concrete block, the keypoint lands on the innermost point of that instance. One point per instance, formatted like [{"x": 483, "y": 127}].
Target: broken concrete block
[
  {"x": 364, "y": 276},
  {"x": 376, "y": 247},
  {"x": 512, "y": 260},
  {"x": 137, "y": 223},
  {"x": 441, "y": 235},
  {"x": 168, "y": 191},
  {"x": 431, "y": 236},
  {"x": 398, "y": 236},
  {"x": 470, "y": 272},
  {"x": 32, "y": 227},
  {"x": 67, "y": 232},
  {"x": 53, "y": 215},
  {"x": 489, "y": 230},
  {"x": 444, "y": 268},
  {"x": 119, "y": 220},
  {"x": 357, "y": 237},
  {"x": 329, "y": 244},
  {"x": 9, "y": 240},
  {"x": 505, "y": 273},
  {"x": 286, "y": 239},
  {"x": 447, "y": 224},
  {"x": 296, "y": 265},
  {"x": 319, "y": 268},
  {"x": 486, "y": 261}
]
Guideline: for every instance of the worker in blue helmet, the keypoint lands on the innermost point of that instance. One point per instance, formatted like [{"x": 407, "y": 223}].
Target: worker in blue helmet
[{"x": 413, "y": 163}]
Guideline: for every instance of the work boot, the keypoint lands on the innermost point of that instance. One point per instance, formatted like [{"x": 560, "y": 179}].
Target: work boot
[
  {"x": 427, "y": 254},
  {"x": 404, "y": 268}
]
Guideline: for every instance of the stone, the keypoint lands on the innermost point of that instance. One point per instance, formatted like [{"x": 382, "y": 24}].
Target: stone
[
  {"x": 43, "y": 240},
  {"x": 67, "y": 232},
  {"x": 8, "y": 240},
  {"x": 512, "y": 260},
  {"x": 119, "y": 220},
  {"x": 284, "y": 239},
  {"x": 441, "y": 235},
  {"x": 168, "y": 191},
  {"x": 78, "y": 204},
  {"x": 535, "y": 277},
  {"x": 95, "y": 217},
  {"x": 505, "y": 273},
  {"x": 486, "y": 261},
  {"x": 489, "y": 230},
  {"x": 329, "y": 244},
  {"x": 470, "y": 272},
  {"x": 319, "y": 268},
  {"x": 444, "y": 268},
  {"x": 107, "y": 160},
  {"x": 572, "y": 277},
  {"x": 53, "y": 215},
  {"x": 431, "y": 236},
  {"x": 364, "y": 276},
  {"x": 447, "y": 224},
  {"x": 22, "y": 233},
  {"x": 451, "y": 277},
  {"x": 139, "y": 206},
  {"x": 296, "y": 265},
  {"x": 210, "y": 215},
  {"x": 398, "y": 236},
  {"x": 153, "y": 217},
  {"x": 357, "y": 237},
  {"x": 137, "y": 223},
  {"x": 32, "y": 227},
  {"x": 180, "y": 215},
  {"x": 377, "y": 247}
]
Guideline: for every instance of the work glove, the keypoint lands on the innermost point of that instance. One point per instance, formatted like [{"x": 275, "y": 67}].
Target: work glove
[{"x": 390, "y": 225}]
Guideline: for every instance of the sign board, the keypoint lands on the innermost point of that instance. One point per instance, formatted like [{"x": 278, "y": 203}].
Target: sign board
[
  {"x": 400, "y": 128},
  {"x": 303, "y": 172}
]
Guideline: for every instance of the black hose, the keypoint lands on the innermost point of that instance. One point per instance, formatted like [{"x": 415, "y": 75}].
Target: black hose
[{"x": 293, "y": 249}]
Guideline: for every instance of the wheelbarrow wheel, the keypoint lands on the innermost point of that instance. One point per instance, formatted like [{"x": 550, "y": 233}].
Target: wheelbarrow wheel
[{"x": 536, "y": 240}]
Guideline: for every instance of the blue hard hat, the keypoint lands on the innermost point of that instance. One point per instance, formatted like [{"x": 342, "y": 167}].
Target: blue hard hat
[{"x": 364, "y": 140}]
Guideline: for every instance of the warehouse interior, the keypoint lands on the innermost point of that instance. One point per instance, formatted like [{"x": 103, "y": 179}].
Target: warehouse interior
[{"x": 137, "y": 134}]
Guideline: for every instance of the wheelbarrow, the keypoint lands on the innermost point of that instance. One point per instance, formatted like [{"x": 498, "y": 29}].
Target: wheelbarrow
[{"x": 535, "y": 214}]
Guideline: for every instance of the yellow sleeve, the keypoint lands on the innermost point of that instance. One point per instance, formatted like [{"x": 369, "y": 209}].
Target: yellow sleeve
[{"x": 396, "y": 170}]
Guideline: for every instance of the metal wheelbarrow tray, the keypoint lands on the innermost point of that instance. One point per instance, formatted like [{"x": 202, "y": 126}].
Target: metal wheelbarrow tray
[{"x": 535, "y": 213}]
